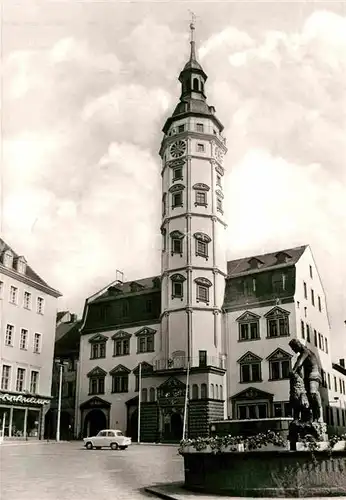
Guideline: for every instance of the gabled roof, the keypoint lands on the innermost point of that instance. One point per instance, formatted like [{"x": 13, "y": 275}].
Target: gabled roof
[
  {"x": 248, "y": 316},
  {"x": 97, "y": 372},
  {"x": 29, "y": 272},
  {"x": 270, "y": 260}
]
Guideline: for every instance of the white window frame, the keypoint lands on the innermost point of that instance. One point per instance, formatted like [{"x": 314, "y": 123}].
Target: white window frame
[
  {"x": 29, "y": 304},
  {"x": 21, "y": 370},
  {"x": 8, "y": 379},
  {"x": 13, "y": 295},
  {"x": 40, "y": 305},
  {"x": 37, "y": 346},
  {"x": 7, "y": 336},
  {"x": 200, "y": 147},
  {"x": 25, "y": 344},
  {"x": 34, "y": 382}
]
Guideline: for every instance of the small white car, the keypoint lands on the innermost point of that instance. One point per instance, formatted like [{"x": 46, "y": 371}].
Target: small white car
[{"x": 107, "y": 438}]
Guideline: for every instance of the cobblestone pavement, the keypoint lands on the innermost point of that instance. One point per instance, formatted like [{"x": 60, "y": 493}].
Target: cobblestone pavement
[{"x": 64, "y": 471}]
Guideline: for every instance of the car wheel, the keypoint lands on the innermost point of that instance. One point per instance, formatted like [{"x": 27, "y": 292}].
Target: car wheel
[
  {"x": 89, "y": 445},
  {"x": 114, "y": 446}
]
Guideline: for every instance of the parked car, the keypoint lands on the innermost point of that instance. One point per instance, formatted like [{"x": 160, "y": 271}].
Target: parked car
[{"x": 108, "y": 438}]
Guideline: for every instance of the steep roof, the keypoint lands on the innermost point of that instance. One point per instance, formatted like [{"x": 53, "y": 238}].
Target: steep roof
[
  {"x": 29, "y": 272},
  {"x": 67, "y": 337},
  {"x": 130, "y": 287},
  {"x": 240, "y": 267}
]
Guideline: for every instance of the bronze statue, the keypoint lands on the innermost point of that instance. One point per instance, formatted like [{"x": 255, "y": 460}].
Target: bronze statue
[
  {"x": 308, "y": 362},
  {"x": 305, "y": 398}
]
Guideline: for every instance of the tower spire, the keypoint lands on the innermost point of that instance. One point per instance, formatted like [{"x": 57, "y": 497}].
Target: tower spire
[{"x": 192, "y": 38}]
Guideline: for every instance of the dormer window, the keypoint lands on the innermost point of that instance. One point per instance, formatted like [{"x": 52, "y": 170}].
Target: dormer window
[
  {"x": 21, "y": 265},
  {"x": 282, "y": 257},
  {"x": 8, "y": 259},
  {"x": 255, "y": 263}
]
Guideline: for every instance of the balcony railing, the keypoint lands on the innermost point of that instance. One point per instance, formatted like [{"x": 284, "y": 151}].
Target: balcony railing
[{"x": 181, "y": 362}]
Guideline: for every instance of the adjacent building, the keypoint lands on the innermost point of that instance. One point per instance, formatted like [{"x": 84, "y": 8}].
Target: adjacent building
[
  {"x": 220, "y": 329},
  {"x": 66, "y": 360},
  {"x": 28, "y": 308}
]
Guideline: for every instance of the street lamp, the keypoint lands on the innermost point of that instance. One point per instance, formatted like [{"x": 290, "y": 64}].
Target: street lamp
[{"x": 61, "y": 367}]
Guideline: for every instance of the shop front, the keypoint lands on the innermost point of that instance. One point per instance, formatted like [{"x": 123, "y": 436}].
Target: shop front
[{"x": 22, "y": 416}]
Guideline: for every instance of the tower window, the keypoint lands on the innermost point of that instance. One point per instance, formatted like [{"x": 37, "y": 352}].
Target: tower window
[
  {"x": 202, "y": 291},
  {"x": 177, "y": 242},
  {"x": 177, "y": 199},
  {"x": 218, "y": 180},
  {"x": 200, "y": 147},
  {"x": 164, "y": 203},
  {"x": 181, "y": 129},
  {"x": 177, "y": 173},
  {"x": 177, "y": 286},
  {"x": 196, "y": 84},
  {"x": 177, "y": 246},
  {"x": 201, "y": 198},
  {"x": 201, "y": 248},
  {"x": 202, "y": 241},
  {"x": 312, "y": 297},
  {"x": 219, "y": 205},
  {"x": 200, "y": 127}
]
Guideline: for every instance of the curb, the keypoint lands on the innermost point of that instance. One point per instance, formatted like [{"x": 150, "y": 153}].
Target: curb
[{"x": 157, "y": 493}]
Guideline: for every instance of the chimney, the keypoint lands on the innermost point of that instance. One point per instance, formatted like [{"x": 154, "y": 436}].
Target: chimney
[{"x": 342, "y": 362}]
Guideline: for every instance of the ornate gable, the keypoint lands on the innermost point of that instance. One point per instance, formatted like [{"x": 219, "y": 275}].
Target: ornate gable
[
  {"x": 176, "y": 188},
  {"x": 146, "y": 368},
  {"x": 200, "y": 187},
  {"x": 249, "y": 357},
  {"x": 96, "y": 372},
  {"x": 276, "y": 312},
  {"x": 279, "y": 354},
  {"x": 120, "y": 335},
  {"x": 98, "y": 338},
  {"x": 120, "y": 369},
  {"x": 248, "y": 316},
  {"x": 145, "y": 331},
  {"x": 252, "y": 393},
  {"x": 95, "y": 402}
]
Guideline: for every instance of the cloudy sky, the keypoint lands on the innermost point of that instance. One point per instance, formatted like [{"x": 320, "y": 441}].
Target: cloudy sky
[{"x": 86, "y": 88}]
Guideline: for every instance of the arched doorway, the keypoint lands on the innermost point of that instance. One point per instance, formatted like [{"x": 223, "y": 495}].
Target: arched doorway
[
  {"x": 176, "y": 426},
  {"x": 94, "y": 422}
]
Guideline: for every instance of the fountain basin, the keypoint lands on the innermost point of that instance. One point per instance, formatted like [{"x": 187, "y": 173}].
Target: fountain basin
[{"x": 266, "y": 473}]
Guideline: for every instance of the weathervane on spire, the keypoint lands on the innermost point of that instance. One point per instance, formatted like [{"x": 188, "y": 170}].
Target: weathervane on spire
[{"x": 192, "y": 24}]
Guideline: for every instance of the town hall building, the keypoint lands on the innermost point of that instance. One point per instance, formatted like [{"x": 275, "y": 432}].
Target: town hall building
[{"x": 219, "y": 328}]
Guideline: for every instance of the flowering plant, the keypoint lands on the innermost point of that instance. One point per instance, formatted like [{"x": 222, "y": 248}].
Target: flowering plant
[{"x": 218, "y": 443}]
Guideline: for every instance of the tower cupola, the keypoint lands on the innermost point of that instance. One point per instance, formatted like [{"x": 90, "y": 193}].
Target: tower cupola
[{"x": 192, "y": 77}]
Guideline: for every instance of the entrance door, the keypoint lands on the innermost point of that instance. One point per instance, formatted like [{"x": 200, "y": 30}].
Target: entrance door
[
  {"x": 176, "y": 426},
  {"x": 95, "y": 421},
  {"x": 133, "y": 425}
]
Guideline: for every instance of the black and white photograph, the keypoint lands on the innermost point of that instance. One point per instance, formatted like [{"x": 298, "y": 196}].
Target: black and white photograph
[{"x": 172, "y": 249}]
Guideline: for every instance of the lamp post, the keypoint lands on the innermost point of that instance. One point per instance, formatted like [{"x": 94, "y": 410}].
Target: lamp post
[
  {"x": 61, "y": 366},
  {"x": 139, "y": 402}
]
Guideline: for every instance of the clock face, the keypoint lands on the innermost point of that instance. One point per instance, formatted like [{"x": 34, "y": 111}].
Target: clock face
[
  {"x": 219, "y": 154},
  {"x": 178, "y": 149}
]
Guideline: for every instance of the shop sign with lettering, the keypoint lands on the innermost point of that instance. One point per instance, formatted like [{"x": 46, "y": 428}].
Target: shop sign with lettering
[{"x": 5, "y": 397}]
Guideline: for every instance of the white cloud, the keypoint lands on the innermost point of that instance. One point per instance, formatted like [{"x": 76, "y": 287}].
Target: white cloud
[{"x": 82, "y": 127}]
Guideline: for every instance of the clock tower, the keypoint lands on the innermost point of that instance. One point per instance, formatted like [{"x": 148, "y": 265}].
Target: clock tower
[{"x": 194, "y": 265}]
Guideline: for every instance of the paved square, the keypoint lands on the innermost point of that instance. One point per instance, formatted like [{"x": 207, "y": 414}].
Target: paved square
[{"x": 64, "y": 471}]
